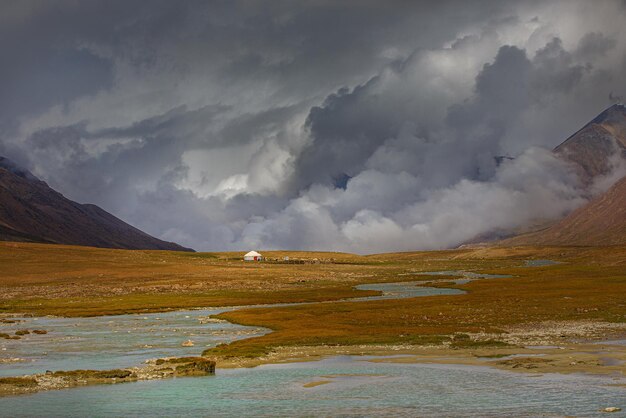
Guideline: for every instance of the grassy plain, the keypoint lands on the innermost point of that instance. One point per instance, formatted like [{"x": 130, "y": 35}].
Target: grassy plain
[
  {"x": 82, "y": 281},
  {"x": 589, "y": 285}
]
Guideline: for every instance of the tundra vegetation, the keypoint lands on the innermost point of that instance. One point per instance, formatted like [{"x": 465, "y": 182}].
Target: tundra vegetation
[{"x": 587, "y": 285}]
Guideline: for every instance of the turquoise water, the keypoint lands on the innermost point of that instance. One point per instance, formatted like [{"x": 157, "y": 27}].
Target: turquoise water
[
  {"x": 540, "y": 263},
  {"x": 109, "y": 342},
  {"x": 404, "y": 290},
  {"x": 466, "y": 274},
  {"x": 357, "y": 388}
]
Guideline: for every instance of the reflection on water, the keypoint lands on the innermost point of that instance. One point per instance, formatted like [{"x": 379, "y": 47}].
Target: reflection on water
[{"x": 356, "y": 388}]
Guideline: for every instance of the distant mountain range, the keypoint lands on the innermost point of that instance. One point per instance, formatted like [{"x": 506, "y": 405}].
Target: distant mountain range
[
  {"x": 592, "y": 151},
  {"x": 32, "y": 211}
]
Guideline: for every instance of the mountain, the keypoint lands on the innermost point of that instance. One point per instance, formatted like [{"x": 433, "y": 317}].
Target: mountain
[
  {"x": 590, "y": 149},
  {"x": 593, "y": 151},
  {"x": 32, "y": 211},
  {"x": 600, "y": 222}
]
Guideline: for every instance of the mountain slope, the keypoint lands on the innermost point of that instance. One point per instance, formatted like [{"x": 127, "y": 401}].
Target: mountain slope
[
  {"x": 31, "y": 211},
  {"x": 592, "y": 147},
  {"x": 593, "y": 151},
  {"x": 600, "y": 222}
]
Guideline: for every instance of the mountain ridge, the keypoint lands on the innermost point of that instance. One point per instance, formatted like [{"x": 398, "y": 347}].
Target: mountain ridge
[
  {"x": 593, "y": 151},
  {"x": 591, "y": 148},
  {"x": 32, "y": 211}
]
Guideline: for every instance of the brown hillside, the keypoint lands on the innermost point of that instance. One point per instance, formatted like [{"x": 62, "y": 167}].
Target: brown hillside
[
  {"x": 600, "y": 222},
  {"x": 31, "y": 211},
  {"x": 591, "y": 148}
]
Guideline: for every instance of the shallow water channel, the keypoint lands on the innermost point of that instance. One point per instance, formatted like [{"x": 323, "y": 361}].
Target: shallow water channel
[
  {"x": 338, "y": 386},
  {"x": 354, "y": 387},
  {"x": 108, "y": 342}
]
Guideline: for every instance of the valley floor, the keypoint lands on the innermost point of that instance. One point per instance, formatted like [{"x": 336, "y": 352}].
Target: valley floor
[{"x": 545, "y": 318}]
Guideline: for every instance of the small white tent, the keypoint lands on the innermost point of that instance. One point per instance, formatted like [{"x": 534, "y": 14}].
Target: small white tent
[{"x": 252, "y": 256}]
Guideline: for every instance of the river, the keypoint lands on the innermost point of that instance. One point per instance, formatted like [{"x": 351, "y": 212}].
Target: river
[{"x": 337, "y": 386}]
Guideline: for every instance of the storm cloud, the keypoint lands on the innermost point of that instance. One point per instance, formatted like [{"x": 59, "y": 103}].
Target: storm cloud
[{"x": 357, "y": 126}]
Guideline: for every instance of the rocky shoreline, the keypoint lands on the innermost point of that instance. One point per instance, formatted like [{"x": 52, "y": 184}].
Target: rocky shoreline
[{"x": 155, "y": 369}]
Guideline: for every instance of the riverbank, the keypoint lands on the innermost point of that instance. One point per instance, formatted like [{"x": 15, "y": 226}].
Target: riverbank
[
  {"x": 599, "y": 350},
  {"x": 549, "y": 307},
  {"x": 563, "y": 347},
  {"x": 587, "y": 347},
  {"x": 355, "y": 386},
  {"x": 156, "y": 369}
]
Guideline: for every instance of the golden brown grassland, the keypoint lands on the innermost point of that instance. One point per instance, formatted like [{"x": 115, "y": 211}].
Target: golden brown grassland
[{"x": 79, "y": 281}]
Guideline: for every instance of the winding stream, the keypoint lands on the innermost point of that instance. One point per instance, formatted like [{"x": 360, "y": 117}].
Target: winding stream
[
  {"x": 352, "y": 386},
  {"x": 117, "y": 341}
]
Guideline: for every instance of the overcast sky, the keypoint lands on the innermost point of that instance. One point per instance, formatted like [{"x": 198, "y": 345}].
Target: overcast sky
[{"x": 362, "y": 126}]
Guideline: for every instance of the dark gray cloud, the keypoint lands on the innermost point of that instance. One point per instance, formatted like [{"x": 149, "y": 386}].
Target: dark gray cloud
[
  {"x": 229, "y": 124},
  {"x": 351, "y": 126},
  {"x": 594, "y": 44}
]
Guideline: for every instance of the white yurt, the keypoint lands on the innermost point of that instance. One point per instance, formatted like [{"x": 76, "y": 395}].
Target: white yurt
[{"x": 252, "y": 256}]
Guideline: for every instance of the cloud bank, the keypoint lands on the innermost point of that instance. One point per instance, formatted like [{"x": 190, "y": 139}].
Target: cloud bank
[{"x": 350, "y": 126}]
